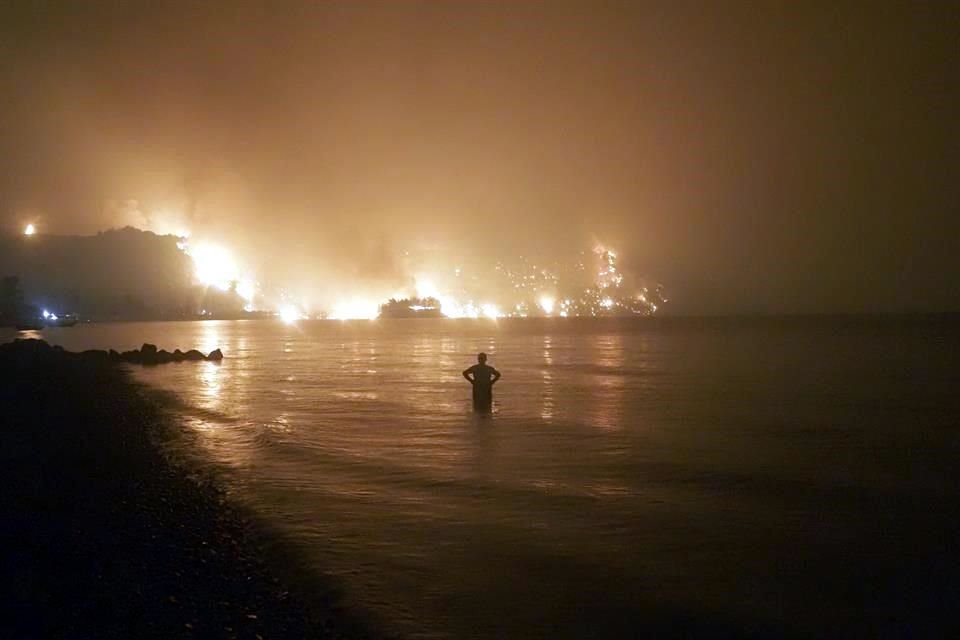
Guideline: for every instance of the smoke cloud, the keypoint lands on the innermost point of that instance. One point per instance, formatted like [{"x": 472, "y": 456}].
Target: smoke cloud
[{"x": 774, "y": 158}]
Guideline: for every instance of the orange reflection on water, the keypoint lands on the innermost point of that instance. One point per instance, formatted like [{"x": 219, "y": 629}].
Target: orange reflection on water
[
  {"x": 607, "y": 405},
  {"x": 280, "y": 424},
  {"x": 224, "y": 440},
  {"x": 546, "y": 409},
  {"x": 211, "y": 385},
  {"x": 609, "y": 351},
  {"x": 423, "y": 351},
  {"x": 211, "y": 336}
]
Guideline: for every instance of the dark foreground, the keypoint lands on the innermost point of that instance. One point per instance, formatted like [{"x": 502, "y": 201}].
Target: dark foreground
[{"x": 104, "y": 538}]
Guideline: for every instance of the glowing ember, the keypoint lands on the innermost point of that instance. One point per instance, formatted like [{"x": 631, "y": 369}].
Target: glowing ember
[
  {"x": 594, "y": 286},
  {"x": 29, "y": 230},
  {"x": 608, "y": 275}
]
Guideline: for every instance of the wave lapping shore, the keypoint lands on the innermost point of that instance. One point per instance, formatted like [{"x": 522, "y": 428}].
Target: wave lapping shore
[{"x": 105, "y": 538}]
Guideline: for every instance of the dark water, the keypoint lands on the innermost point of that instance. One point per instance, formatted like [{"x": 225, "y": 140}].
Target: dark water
[{"x": 793, "y": 476}]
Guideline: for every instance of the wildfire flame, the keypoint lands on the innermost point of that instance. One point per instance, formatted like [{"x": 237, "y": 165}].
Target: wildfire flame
[
  {"x": 547, "y": 303},
  {"x": 215, "y": 266},
  {"x": 355, "y": 309},
  {"x": 289, "y": 314},
  {"x": 453, "y": 308}
]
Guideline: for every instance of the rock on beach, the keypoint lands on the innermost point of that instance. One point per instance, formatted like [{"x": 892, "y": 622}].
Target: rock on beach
[{"x": 149, "y": 354}]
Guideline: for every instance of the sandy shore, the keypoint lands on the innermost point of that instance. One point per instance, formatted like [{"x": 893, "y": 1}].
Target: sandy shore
[{"x": 105, "y": 538}]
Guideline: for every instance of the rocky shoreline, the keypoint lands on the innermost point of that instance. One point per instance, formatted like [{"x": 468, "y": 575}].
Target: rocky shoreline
[
  {"x": 106, "y": 538},
  {"x": 149, "y": 354}
]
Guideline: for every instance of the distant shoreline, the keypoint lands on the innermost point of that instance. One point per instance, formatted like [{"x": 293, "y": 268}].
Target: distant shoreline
[
  {"x": 652, "y": 319},
  {"x": 106, "y": 537}
]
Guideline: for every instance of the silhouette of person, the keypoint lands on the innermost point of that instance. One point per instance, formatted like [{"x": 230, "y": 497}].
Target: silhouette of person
[{"x": 482, "y": 376}]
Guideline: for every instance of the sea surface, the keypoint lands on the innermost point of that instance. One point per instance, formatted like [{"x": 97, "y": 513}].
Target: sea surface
[{"x": 783, "y": 476}]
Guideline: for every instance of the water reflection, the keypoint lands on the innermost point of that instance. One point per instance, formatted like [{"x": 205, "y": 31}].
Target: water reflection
[
  {"x": 423, "y": 351},
  {"x": 483, "y": 446},
  {"x": 371, "y": 357},
  {"x": 608, "y": 351},
  {"x": 546, "y": 410},
  {"x": 448, "y": 345},
  {"x": 435, "y": 519},
  {"x": 211, "y": 384},
  {"x": 242, "y": 348},
  {"x": 211, "y": 336},
  {"x": 281, "y": 423},
  {"x": 609, "y": 384}
]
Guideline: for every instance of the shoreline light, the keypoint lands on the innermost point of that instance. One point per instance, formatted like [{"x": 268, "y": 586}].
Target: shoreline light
[
  {"x": 490, "y": 310},
  {"x": 547, "y": 303},
  {"x": 289, "y": 314},
  {"x": 355, "y": 309}
]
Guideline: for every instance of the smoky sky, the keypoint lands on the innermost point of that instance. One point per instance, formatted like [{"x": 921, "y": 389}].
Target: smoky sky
[{"x": 752, "y": 157}]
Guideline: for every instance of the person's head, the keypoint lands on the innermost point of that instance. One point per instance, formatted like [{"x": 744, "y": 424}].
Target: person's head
[{"x": 482, "y": 358}]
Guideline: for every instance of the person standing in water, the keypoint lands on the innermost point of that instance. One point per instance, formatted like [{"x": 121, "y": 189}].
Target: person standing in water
[{"x": 482, "y": 376}]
